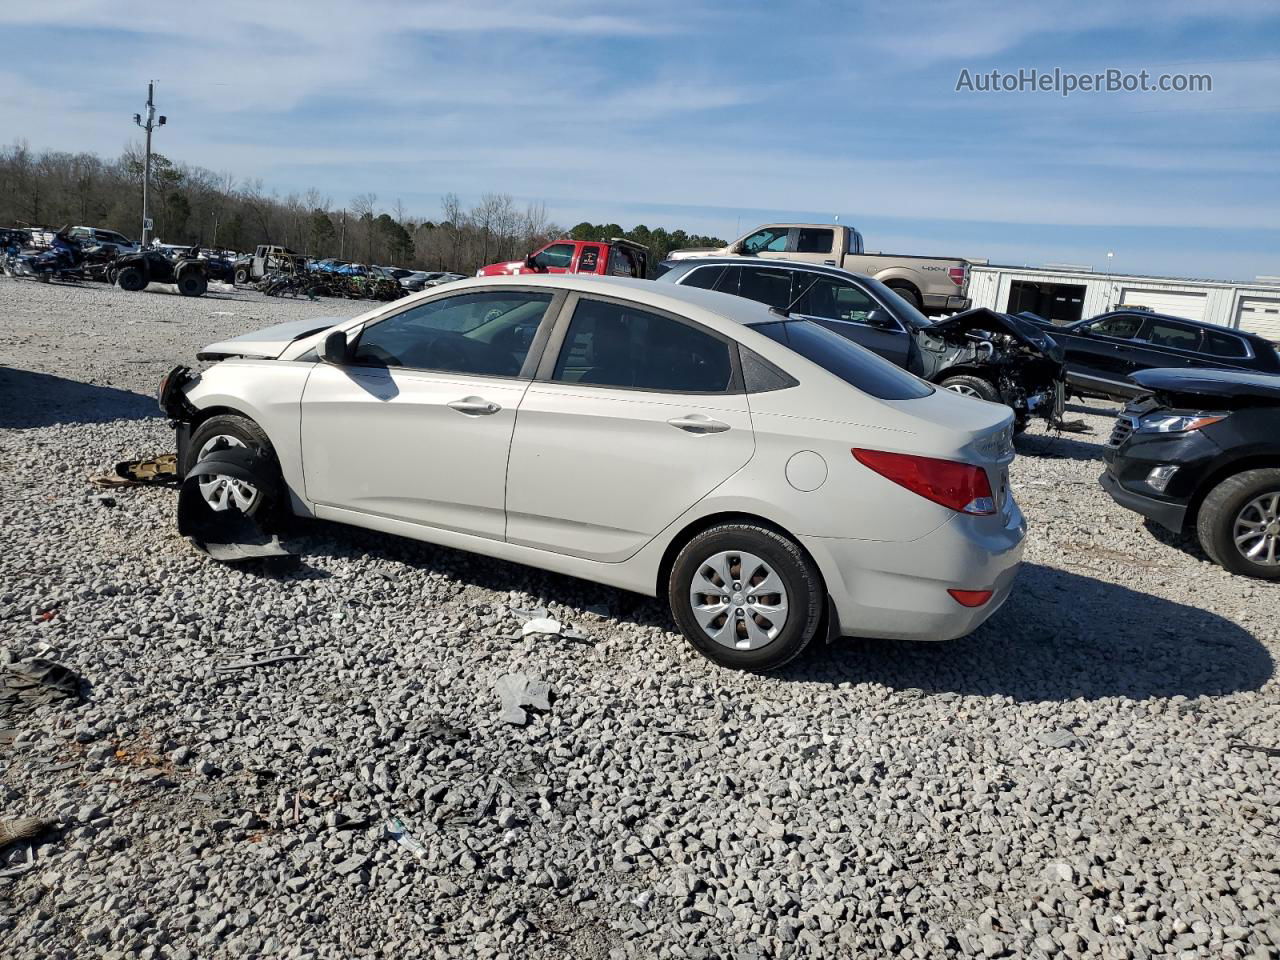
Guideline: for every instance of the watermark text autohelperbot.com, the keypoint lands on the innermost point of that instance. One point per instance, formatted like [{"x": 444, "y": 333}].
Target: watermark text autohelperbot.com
[{"x": 1065, "y": 82}]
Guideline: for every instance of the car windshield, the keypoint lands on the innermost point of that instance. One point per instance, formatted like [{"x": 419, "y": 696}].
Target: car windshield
[
  {"x": 908, "y": 313},
  {"x": 869, "y": 372}
]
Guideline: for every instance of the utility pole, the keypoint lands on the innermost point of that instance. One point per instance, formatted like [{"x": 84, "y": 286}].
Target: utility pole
[
  {"x": 342, "y": 243},
  {"x": 152, "y": 121}
]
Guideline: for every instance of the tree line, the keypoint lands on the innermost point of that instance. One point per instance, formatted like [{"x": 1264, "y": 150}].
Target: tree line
[{"x": 191, "y": 204}]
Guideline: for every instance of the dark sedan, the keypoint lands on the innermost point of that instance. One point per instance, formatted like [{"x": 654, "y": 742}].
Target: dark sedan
[
  {"x": 1103, "y": 351},
  {"x": 1200, "y": 452}
]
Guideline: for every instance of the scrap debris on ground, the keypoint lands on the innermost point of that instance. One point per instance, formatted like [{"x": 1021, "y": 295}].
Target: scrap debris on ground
[{"x": 1091, "y": 774}]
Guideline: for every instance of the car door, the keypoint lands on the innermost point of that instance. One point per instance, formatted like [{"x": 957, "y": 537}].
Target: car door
[
  {"x": 812, "y": 244},
  {"x": 845, "y": 308},
  {"x": 1167, "y": 343},
  {"x": 1104, "y": 349},
  {"x": 636, "y": 415},
  {"x": 417, "y": 426}
]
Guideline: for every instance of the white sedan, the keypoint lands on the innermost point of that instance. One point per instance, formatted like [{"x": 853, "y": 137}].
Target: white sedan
[{"x": 771, "y": 480}]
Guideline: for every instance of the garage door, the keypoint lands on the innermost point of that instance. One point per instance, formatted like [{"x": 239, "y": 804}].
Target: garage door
[
  {"x": 1256, "y": 315},
  {"x": 1173, "y": 303}
]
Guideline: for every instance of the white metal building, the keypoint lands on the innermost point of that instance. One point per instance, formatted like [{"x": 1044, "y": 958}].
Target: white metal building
[{"x": 1065, "y": 294}]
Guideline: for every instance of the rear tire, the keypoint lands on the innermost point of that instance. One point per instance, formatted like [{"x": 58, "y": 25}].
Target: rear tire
[
  {"x": 192, "y": 284},
  {"x": 242, "y": 275},
  {"x": 131, "y": 279},
  {"x": 1245, "y": 505},
  {"x": 907, "y": 293},
  {"x": 790, "y": 579}
]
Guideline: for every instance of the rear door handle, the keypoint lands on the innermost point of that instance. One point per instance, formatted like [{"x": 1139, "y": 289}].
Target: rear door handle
[
  {"x": 475, "y": 406},
  {"x": 698, "y": 423}
]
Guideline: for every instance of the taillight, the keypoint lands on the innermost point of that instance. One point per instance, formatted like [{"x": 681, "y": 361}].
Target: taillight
[
  {"x": 958, "y": 486},
  {"x": 957, "y": 275}
]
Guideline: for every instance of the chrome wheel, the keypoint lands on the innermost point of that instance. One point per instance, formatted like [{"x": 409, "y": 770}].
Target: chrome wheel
[
  {"x": 1256, "y": 530},
  {"x": 220, "y": 491},
  {"x": 964, "y": 390},
  {"x": 738, "y": 600}
]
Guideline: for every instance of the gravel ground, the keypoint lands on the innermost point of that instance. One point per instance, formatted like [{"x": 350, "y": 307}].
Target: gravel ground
[{"x": 1068, "y": 781}]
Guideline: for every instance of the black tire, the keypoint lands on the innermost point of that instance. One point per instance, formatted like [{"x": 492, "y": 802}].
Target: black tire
[
  {"x": 242, "y": 275},
  {"x": 1216, "y": 521},
  {"x": 131, "y": 279},
  {"x": 971, "y": 386},
  {"x": 246, "y": 432},
  {"x": 806, "y": 594},
  {"x": 907, "y": 292},
  {"x": 192, "y": 284}
]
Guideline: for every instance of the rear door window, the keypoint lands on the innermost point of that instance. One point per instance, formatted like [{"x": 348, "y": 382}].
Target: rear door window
[
  {"x": 619, "y": 345},
  {"x": 588, "y": 258},
  {"x": 1164, "y": 333},
  {"x": 814, "y": 241},
  {"x": 767, "y": 285},
  {"x": 859, "y": 368}
]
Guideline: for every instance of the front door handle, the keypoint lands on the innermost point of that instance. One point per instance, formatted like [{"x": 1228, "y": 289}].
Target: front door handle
[
  {"x": 698, "y": 423},
  {"x": 475, "y": 406}
]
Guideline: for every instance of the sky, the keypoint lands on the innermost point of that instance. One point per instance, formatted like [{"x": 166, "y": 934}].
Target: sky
[{"x": 713, "y": 117}]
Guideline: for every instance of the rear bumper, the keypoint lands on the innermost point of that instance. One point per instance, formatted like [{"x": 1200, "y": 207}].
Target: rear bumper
[
  {"x": 899, "y": 590},
  {"x": 940, "y": 301}
]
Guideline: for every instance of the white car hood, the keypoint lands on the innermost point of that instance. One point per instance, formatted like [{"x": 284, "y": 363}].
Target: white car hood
[{"x": 269, "y": 342}]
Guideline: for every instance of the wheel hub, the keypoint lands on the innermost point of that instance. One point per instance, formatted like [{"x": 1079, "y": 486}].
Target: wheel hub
[
  {"x": 220, "y": 491},
  {"x": 738, "y": 599},
  {"x": 1256, "y": 530}
]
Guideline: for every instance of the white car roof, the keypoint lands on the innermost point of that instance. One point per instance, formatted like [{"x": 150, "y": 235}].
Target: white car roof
[{"x": 669, "y": 296}]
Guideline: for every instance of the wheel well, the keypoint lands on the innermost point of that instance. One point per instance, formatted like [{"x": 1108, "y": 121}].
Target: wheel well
[
  {"x": 899, "y": 282},
  {"x": 949, "y": 372},
  {"x": 705, "y": 523},
  {"x": 1262, "y": 461}
]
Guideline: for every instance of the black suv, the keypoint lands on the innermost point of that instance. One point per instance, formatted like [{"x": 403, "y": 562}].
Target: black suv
[
  {"x": 1200, "y": 452},
  {"x": 978, "y": 353},
  {"x": 1103, "y": 351}
]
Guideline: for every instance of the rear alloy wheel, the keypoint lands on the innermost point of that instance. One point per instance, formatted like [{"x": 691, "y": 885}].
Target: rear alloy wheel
[
  {"x": 131, "y": 279},
  {"x": 1239, "y": 524},
  {"x": 746, "y": 596},
  {"x": 968, "y": 386}
]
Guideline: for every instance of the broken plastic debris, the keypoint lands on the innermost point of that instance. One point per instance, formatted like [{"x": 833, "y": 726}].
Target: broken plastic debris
[
  {"x": 517, "y": 691},
  {"x": 541, "y": 625},
  {"x": 401, "y": 835}
]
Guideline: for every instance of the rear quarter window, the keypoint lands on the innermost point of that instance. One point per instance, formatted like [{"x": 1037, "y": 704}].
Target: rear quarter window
[
  {"x": 1224, "y": 345},
  {"x": 859, "y": 368}
]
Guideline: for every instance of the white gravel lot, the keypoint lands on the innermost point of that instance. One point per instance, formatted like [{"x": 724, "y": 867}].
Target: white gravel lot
[{"x": 1074, "y": 779}]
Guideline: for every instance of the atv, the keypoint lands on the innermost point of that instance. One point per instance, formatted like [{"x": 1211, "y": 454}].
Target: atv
[{"x": 134, "y": 271}]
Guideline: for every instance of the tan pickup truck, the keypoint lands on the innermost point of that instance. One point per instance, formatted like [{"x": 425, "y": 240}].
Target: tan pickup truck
[{"x": 932, "y": 284}]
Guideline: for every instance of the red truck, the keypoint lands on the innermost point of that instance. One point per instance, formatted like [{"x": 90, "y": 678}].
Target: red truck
[{"x": 612, "y": 258}]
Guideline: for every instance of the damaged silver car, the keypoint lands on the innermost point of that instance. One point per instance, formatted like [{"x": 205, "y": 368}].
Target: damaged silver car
[{"x": 978, "y": 353}]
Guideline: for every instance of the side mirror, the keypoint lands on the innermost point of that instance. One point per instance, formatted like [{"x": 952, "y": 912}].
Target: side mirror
[
  {"x": 334, "y": 349},
  {"x": 531, "y": 262},
  {"x": 880, "y": 320}
]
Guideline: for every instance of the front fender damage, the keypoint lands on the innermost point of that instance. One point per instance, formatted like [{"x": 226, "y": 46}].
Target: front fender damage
[{"x": 230, "y": 535}]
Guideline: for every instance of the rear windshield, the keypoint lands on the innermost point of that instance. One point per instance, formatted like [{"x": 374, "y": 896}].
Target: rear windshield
[{"x": 857, "y": 367}]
